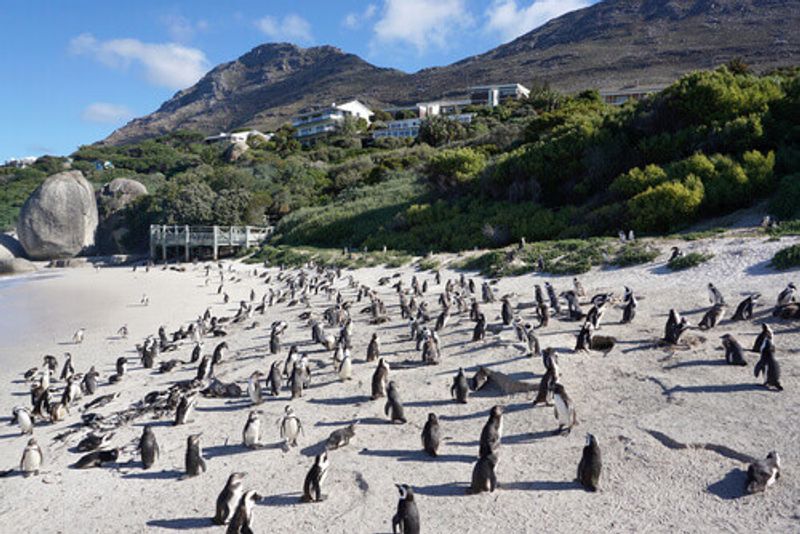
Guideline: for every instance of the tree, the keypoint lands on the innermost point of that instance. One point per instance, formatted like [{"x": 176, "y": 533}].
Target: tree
[
  {"x": 453, "y": 168},
  {"x": 440, "y": 130}
]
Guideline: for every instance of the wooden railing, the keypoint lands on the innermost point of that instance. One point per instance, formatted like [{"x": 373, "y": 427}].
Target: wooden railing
[{"x": 214, "y": 237}]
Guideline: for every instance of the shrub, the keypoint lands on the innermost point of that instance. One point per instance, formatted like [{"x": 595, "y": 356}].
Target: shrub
[
  {"x": 638, "y": 180},
  {"x": 687, "y": 261},
  {"x": 785, "y": 204},
  {"x": 787, "y": 258},
  {"x": 667, "y": 205},
  {"x": 457, "y": 167},
  {"x": 635, "y": 254}
]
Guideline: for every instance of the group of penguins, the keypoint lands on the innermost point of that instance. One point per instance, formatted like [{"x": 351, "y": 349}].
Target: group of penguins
[{"x": 295, "y": 287}]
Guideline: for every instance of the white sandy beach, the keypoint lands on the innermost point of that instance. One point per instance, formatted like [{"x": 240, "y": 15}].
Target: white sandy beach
[{"x": 688, "y": 395}]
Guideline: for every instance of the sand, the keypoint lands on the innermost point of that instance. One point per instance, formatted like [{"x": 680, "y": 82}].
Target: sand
[{"x": 638, "y": 400}]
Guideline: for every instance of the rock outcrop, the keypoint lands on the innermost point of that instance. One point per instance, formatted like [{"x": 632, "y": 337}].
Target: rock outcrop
[
  {"x": 235, "y": 151},
  {"x": 112, "y": 200},
  {"x": 16, "y": 266},
  {"x": 59, "y": 219},
  {"x": 10, "y": 247}
]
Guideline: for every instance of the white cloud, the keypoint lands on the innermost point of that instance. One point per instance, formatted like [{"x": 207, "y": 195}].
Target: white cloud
[
  {"x": 165, "y": 64},
  {"x": 292, "y": 28},
  {"x": 105, "y": 113},
  {"x": 181, "y": 29},
  {"x": 510, "y": 21},
  {"x": 354, "y": 21},
  {"x": 422, "y": 23}
]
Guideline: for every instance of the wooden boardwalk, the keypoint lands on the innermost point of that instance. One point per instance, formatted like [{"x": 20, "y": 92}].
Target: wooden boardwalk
[{"x": 212, "y": 237}]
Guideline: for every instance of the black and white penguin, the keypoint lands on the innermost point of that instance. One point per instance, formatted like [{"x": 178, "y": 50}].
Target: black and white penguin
[
  {"x": 24, "y": 418},
  {"x": 219, "y": 353},
  {"x": 579, "y": 290},
  {"x": 274, "y": 380},
  {"x": 564, "y": 410},
  {"x": 714, "y": 295},
  {"x": 194, "y": 462},
  {"x": 629, "y": 311},
  {"x": 251, "y": 435},
  {"x": 394, "y": 405},
  {"x": 788, "y": 295},
  {"x": 492, "y": 433},
  {"x": 380, "y": 379},
  {"x": 254, "y": 389},
  {"x": 460, "y": 388},
  {"x": 340, "y": 437},
  {"x": 768, "y": 365},
  {"x": 506, "y": 312},
  {"x": 148, "y": 447},
  {"x": 312, "y": 486},
  {"x": 228, "y": 499},
  {"x": 406, "y": 520},
  {"x": 89, "y": 382},
  {"x": 31, "y": 458},
  {"x": 712, "y": 317},
  {"x": 546, "y": 384},
  {"x": 185, "y": 407},
  {"x": 766, "y": 334},
  {"x": 206, "y": 368},
  {"x": 554, "y": 301},
  {"x": 484, "y": 477},
  {"x": 290, "y": 427},
  {"x": 584, "y": 338},
  {"x": 431, "y": 436},
  {"x": 374, "y": 348},
  {"x": 97, "y": 459},
  {"x": 67, "y": 370},
  {"x": 734, "y": 353},
  {"x": 479, "y": 332},
  {"x": 242, "y": 522},
  {"x": 744, "y": 311},
  {"x": 761, "y": 474},
  {"x": 591, "y": 464}
]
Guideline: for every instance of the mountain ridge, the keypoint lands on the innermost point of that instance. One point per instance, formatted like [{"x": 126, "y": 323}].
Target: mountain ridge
[{"x": 608, "y": 45}]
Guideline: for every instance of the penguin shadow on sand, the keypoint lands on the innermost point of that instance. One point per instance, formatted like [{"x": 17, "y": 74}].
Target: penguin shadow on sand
[
  {"x": 481, "y": 414},
  {"x": 183, "y": 523},
  {"x": 541, "y": 485},
  {"x": 341, "y": 401},
  {"x": 731, "y": 487},
  {"x": 283, "y": 499},
  {"x": 418, "y": 456},
  {"x": 172, "y": 474},
  {"x": 226, "y": 407},
  {"x": 231, "y": 449},
  {"x": 450, "y": 489}
]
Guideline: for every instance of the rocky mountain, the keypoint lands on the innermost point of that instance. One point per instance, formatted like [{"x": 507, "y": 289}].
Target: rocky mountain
[{"x": 606, "y": 46}]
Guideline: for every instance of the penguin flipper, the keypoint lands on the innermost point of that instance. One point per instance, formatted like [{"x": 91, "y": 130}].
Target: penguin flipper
[{"x": 759, "y": 367}]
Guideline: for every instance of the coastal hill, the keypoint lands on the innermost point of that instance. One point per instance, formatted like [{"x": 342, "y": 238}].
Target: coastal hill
[{"x": 606, "y": 46}]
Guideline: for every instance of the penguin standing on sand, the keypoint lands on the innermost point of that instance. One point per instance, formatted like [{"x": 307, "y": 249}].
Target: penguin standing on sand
[
  {"x": 564, "y": 410},
  {"x": 290, "y": 427},
  {"x": 242, "y": 522},
  {"x": 591, "y": 464},
  {"x": 788, "y": 295},
  {"x": 744, "y": 311},
  {"x": 734, "y": 353},
  {"x": 506, "y": 312},
  {"x": 89, "y": 382},
  {"x": 406, "y": 520},
  {"x": 274, "y": 380},
  {"x": 768, "y": 365},
  {"x": 254, "y": 389},
  {"x": 148, "y": 447},
  {"x": 228, "y": 499},
  {"x": 761, "y": 474},
  {"x": 534, "y": 348},
  {"x": 251, "y": 436},
  {"x": 492, "y": 433},
  {"x": 431, "y": 436},
  {"x": 31, "y": 459},
  {"x": 379, "y": 379},
  {"x": 479, "y": 332},
  {"x": 766, "y": 334},
  {"x": 714, "y": 295},
  {"x": 484, "y": 477},
  {"x": 185, "y": 407},
  {"x": 460, "y": 388},
  {"x": 312, "y": 487},
  {"x": 712, "y": 317},
  {"x": 194, "y": 462},
  {"x": 374, "y": 348},
  {"x": 394, "y": 405},
  {"x": 24, "y": 419},
  {"x": 554, "y": 302},
  {"x": 629, "y": 311},
  {"x": 549, "y": 379}
]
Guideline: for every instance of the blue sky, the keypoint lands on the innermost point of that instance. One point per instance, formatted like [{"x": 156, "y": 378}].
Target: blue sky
[{"x": 75, "y": 70}]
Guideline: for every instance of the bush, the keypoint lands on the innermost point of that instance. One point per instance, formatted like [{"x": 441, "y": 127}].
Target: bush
[
  {"x": 635, "y": 254},
  {"x": 785, "y": 204},
  {"x": 687, "y": 261},
  {"x": 666, "y": 206},
  {"x": 787, "y": 258},
  {"x": 455, "y": 168},
  {"x": 638, "y": 180}
]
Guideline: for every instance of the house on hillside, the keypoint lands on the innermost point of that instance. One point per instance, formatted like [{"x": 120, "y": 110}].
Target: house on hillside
[
  {"x": 409, "y": 127},
  {"x": 234, "y": 137},
  {"x": 494, "y": 95},
  {"x": 618, "y": 97},
  {"x": 318, "y": 123}
]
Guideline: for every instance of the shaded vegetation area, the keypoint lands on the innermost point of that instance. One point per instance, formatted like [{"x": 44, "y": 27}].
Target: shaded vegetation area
[
  {"x": 787, "y": 258},
  {"x": 551, "y": 167},
  {"x": 687, "y": 261}
]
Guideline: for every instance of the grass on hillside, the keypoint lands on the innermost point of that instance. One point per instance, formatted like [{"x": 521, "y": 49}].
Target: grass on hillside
[{"x": 289, "y": 256}]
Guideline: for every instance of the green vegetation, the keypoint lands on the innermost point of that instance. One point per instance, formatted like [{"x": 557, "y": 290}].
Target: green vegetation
[
  {"x": 551, "y": 167},
  {"x": 787, "y": 258},
  {"x": 429, "y": 264},
  {"x": 635, "y": 254},
  {"x": 687, "y": 261},
  {"x": 299, "y": 256}
]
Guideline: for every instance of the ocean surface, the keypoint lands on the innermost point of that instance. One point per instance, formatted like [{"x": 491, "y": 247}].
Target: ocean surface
[{"x": 23, "y": 309}]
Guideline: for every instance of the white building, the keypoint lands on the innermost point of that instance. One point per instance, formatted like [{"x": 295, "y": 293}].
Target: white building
[
  {"x": 224, "y": 137},
  {"x": 494, "y": 95},
  {"x": 409, "y": 128},
  {"x": 20, "y": 163},
  {"x": 322, "y": 122},
  {"x": 618, "y": 97}
]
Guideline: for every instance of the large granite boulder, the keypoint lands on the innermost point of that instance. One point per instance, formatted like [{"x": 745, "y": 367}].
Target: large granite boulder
[
  {"x": 16, "y": 266},
  {"x": 235, "y": 151},
  {"x": 112, "y": 199},
  {"x": 59, "y": 219},
  {"x": 10, "y": 247}
]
